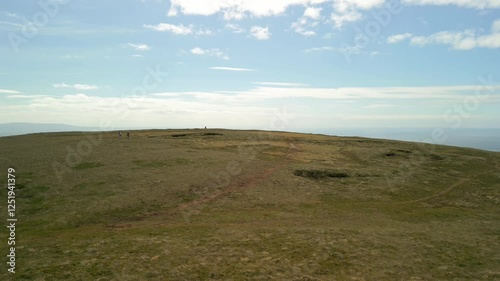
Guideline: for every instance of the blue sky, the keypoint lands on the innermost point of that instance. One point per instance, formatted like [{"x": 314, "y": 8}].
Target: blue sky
[{"x": 304, "y": 65}]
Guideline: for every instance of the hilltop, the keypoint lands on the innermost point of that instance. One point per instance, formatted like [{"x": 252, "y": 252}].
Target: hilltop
[{"x": 249, "y": 205}]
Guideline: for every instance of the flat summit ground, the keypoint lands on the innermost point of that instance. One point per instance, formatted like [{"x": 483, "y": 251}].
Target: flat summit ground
[{"x": 249, "y": 205}]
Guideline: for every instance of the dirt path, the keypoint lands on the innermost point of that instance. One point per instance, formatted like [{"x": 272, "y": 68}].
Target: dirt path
[{"x": 239, "y": 184}]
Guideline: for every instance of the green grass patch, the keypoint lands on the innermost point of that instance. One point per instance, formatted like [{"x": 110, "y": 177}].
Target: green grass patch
[
  {"x": 436, "y": 157},
  {"x": 150, "y": 164},
  {"x": 31, "y": 191},
  {"x": 182, "y": 161},
  {"x": 161, "y": 164},
  {"x": 80, "y": 186},
  {"x": 427, "y": 214}
]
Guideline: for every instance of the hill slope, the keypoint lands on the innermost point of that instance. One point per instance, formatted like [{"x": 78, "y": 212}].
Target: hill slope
[{"x": 249, "y": 205}]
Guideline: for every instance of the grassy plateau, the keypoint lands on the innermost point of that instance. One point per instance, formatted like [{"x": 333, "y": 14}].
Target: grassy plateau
[{"x": 248, "y": 205}]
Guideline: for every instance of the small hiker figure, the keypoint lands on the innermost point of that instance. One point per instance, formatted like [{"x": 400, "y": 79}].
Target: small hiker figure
[
  {"x": 128, "y": 135},
  {"x": 205, "y": 127},
  {"x": 120, "y": 134}
]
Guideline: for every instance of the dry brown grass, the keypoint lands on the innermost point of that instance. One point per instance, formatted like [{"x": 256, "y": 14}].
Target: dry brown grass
[{"x": 184, "y": 205}]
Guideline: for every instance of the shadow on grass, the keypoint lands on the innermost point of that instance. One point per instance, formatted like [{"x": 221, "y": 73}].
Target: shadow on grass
[{"x": 320, "y": 174}]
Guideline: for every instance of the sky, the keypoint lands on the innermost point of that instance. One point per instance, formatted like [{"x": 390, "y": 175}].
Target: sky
[{"x": 296, "y": 65}]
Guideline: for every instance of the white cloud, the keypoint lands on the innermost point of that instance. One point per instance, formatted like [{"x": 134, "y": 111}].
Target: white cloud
[
  {"x": 495, "y": 27},
  {"x": 476, "y": 4},
  {"x": 82, "y": 87},
  {"x": 340, "y": 19},
  {"x": 398, "y": 38},
  {"x": 230, "y": 68},
  {"x": 319, "y": 49},
  {"x": 210, "y": 52},
  {"x": 280, "y": 84},
  {"x": 179, "y": 29},
  {"x": 359, "y": 93},
  {"x": 313, "y": 12},
  {"x": 198, "y": 51},
  {"x": 346, "y": 51},
  {"x": 234, "y": 28},
  {"x": 308, "y": 21},
  {"x": 261, "y": 33},
  {"x": 462, "y": 40},
  {"x": 347, "y": 11},
  {"x": 306, "y": 32},
  {"x": 239, "y": 109},
  {"x": 351, "y": 50},
  {"x": 301, "y": 27},
  {"x": 81, "y": 109},
  {"x": 18, "y": 25},
  {"x": 4, "y": 91},
  {"x": 172, "y": 13},
  {"x": 204, "y": 31},
  {"x": 137, "y": 47},
  {"x": 237, "y": 9},
  {"x": 137, "y": 56},
  {"x": 176, "y": 29},
  {"x": 233, "y": 14},
  {"x": 361, "y": 4},
  {"x": 14, "y": 15}
]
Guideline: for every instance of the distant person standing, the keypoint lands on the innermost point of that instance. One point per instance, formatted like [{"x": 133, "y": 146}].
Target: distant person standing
[
  {"x": 119, "y": 134},
  {"x": 128, "y": 135}
]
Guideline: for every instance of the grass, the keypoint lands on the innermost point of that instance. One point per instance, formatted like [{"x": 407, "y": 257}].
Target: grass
[
  {"x": 320, "y": 174},
  {"x": 243, "y": 205},
  {"x": 88, "y": 165}
]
